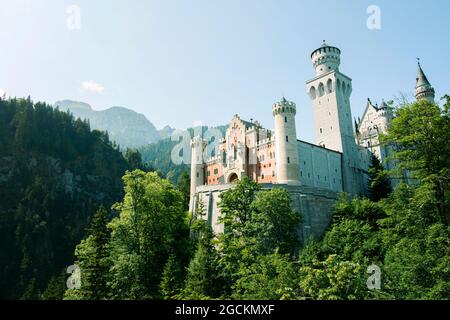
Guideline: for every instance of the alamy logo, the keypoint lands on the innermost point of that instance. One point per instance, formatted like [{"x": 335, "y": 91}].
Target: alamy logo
[
  {"x": 74, "y": 18},
  {"x": 374, "y": 19},
  {"x": 74, "y": 280},
  {"x": 374, "y": 280}
]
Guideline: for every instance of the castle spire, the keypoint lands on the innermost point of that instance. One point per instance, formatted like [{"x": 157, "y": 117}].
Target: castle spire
[{"x": 424, "y": 90}]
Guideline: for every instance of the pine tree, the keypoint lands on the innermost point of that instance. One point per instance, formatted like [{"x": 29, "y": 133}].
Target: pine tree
[
  {"x": 379, "y": 185},
  {"x": 172, "y": 278},
  {"x": 92, "y": 258},
  {"x": 201, "y": 279}
]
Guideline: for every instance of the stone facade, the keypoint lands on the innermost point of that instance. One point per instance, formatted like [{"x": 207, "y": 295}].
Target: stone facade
[{"x": 314, "y": 174}]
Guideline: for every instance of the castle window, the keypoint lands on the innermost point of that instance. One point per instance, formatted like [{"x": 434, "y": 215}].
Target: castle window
[
  {"x": 198, "y": 175},
  {"x": 312, "y": 93},
  {"x": 321, "y": 130},
  {"x": 216, "y": 171},
  {"x": 273, "y": 173},
  {"x": 262, "y": 176},
  {"x": 330, "y": 86},
  {"x": 301, "y": 173},
  {"x": 287, "y": 139},
  {"x": 321, "y": 89},
  {"x": 289, "y": 160},
  {"x": 285, "y": 119}
]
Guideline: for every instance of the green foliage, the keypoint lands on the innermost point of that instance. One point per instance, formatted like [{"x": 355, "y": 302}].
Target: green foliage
[
  {"x": 257, "y": 223},
  {"x": 272, "y": 277},
  {"x": 151, "y": 227},
  {"x": 54, "y": 174},
  {"x": 172, "y": 278},
  {"x": 203, "y": 280},
  {"x": 184, "y": 185},
  {"x": 134, "y": 160},
  {"x": 379, "y": 186},
  {"x": 332, "y": 279},
  {"x": 357, "y": 209},
  {"x": 420, "y": 134},
  {"x": 92, "y": 256}
]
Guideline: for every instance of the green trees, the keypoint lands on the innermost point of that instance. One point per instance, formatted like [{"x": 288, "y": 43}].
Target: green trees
[
  {"x": 379, "y": 185},
  {"x": 151, "y": 227},
  {"x": 184, "y": 186},
  {"x": 260, "y": 228},
  {"x": 172, "y": 278},
  {"x": 421, "y": 135},
  {"x": 92, "y": 256},
  {"x": 54, "y": 174}
]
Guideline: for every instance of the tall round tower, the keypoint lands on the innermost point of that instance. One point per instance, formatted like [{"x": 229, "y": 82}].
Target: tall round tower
[
  {"x": 286, "y": 148},
  {"x": 326, "y": 58},
  {"x": 197, "y": 170}
]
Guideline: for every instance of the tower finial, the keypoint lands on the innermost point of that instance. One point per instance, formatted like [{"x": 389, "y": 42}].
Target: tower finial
[{"x": 418, "y": 61}]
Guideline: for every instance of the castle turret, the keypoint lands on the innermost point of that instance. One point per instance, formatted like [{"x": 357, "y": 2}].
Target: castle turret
[
  {"x": 197, "y": 165},
  {"x": 424, "y": 90},
  {"x": 326, "y": 58},
  {"x": 286, "y": 148}
]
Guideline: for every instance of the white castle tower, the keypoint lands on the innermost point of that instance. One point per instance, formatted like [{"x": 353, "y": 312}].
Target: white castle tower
[
  {"x": 286, "y": 146},
  {"x": 330, "y": 93},
  {"x": 197, "y": 165},
  {"x": 424, "y": 90}
]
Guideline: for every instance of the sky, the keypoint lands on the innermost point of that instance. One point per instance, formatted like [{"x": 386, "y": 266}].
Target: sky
[{"x": 189, "y": 61}]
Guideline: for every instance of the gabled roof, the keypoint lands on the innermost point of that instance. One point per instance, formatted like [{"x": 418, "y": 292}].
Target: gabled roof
[{"x": 369, "y": 105}]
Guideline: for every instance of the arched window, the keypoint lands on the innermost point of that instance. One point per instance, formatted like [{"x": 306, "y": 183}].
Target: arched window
[
  {"x": 321, "y": 89},
  {"x": 312, "y": 93},
  {"x": 329, "y": 86}
]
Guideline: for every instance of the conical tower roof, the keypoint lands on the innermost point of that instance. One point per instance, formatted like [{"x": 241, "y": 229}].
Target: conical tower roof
[
  {"x": 421, "y": 79},
  {"x": 424, "y": 90}
]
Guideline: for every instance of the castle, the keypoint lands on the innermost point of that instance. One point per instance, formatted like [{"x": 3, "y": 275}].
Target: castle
[{"x": 314, "y": 174}]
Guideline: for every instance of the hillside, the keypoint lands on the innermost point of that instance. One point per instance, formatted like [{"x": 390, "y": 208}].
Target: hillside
[{"x": 54, "y": 175}]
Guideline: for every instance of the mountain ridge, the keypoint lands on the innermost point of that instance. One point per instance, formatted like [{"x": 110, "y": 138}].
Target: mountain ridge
[{"x": 126, "y": 127}]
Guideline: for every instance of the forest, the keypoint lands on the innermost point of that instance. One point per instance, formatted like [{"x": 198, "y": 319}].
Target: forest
[
  {"x": 54, "y": 175},
  {"x": 68, "y": 196}
]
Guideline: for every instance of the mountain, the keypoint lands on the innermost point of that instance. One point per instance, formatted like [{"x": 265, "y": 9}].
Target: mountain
[
  {"x": 166, "y": 132},
  {"x": 127, "y": 128}
]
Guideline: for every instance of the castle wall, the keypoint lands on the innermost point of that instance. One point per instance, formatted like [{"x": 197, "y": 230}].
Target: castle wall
[
  {"x": 315, "y": 204},
  {"x": 320, "y": 167}
]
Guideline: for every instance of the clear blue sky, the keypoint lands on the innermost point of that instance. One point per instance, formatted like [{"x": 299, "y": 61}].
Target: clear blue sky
[{"x": 179, "y": 62}]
